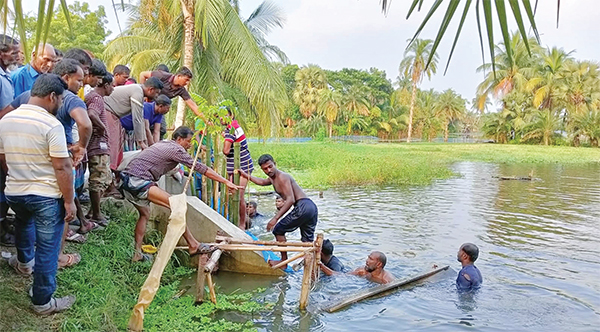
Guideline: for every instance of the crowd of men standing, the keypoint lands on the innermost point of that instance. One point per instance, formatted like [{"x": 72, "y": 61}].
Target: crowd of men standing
[{"x": 60, "y": 115}]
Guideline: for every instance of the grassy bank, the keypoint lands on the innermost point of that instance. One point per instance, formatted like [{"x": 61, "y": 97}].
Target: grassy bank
[
  {"x": 322, "y": 164},
  {"x": 107, "y": 284}
]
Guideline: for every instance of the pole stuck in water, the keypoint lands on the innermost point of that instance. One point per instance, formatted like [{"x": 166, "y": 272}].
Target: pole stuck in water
[{"x": 380, "y": 289}]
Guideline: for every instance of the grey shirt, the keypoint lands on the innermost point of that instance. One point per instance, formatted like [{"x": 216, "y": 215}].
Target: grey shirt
[{"x": 125, "y": 100}]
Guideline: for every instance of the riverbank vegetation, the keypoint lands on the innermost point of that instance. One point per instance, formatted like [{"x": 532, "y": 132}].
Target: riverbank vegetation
[
  {"x": 326, "y": 164},
  {"x": 107, "y": 284}
]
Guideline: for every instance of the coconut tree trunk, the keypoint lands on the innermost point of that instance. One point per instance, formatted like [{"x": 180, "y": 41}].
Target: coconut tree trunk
[
  {"x": 329, "y": 128},
  {"x": 446, "y": 132},
  {"x": 187, "y": 7},
  {"x": 410, "y": 113}
]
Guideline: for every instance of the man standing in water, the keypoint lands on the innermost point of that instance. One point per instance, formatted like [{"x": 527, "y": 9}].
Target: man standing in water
[
  {"x": 373, "y": 269},
  {"x": 469, "y": 276},
  {"x": 303, "y": 216}
]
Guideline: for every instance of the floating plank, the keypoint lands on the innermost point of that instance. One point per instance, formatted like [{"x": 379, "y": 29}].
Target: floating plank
[
  {"x": 381, "y": 289},
  {"x": 273, "y": 243}
]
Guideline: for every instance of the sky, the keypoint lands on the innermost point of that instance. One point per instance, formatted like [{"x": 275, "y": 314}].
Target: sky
[{"x": 336, "y": 34}]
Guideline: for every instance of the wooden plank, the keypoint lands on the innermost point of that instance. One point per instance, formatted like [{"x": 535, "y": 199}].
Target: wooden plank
[
  {"x": 268, "y": 243},
  {"x": 291, "y": 259},
  {"x": 306, "y": 280},
  {"x": 381, "y": 289},
  {"x": 211, "y": 288},
  {"x": 200, "y": 282},
  {"x": 242, "y": 247}
]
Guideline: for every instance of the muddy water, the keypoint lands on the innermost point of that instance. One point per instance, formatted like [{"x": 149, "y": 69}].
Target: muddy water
[{"x": 539, "y": 254}]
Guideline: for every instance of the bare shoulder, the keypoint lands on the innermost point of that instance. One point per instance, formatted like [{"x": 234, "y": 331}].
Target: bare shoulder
[
  {"x": 359, "y": 272},
  {"x": 388, "y": 277}
]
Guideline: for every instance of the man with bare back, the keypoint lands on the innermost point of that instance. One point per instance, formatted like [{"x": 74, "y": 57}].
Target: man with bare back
[{"x": 303, "y": 216}]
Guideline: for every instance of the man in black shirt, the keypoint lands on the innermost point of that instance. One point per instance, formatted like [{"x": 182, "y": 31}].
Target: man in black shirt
[{"x": 329, "y": 263}]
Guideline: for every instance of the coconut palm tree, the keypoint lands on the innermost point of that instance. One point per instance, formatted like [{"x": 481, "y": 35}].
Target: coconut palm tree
[
  {"x": 543, "y": 127},
  {"x": 260, "y": 23},
  {"x": 310, "y": 81},
  {"x": 449, "y": 107},
  {"x": 588, "y": 124},
  {"x": 548, "y": 77},
  {"x": 414, "y": 66},
  {"x": 216, "y": 44},
  {"x": 355, "y": 106},
  {"x": 329, "y": 106}
]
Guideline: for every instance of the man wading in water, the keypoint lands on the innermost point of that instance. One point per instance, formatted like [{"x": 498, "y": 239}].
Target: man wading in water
[{"x": 303, "y": 216}]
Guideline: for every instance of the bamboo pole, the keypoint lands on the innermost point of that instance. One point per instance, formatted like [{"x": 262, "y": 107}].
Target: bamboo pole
[
  {"x": 306, "y": 280},
  {"x": 203, "y": 187},
  {"x": 209, "y": 184},
  {"x": 318, "y": 246},
  {"x": 235, "y": 202},
  {"x": 239, "y": 247},
  {"x": 289, "y": 260},
  {"x": 217, "y": 163},
  {"x": 200, "y": 277},
  {"x": 214, "y": 259},
  {"x": 275, "y": 243},
  {"x": 223, "y": 196},
  {"x": 211, "y": 288},
  {"x": 381, "y": 289}
]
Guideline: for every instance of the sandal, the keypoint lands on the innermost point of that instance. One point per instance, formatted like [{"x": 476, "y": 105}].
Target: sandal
[
  {"x": 94, "y": 227},
  {"x": 144, "y": 258},
  {"x": 19, "y": 268},
  {"x": 75, "y": 237},
  {"x": 203, "y": 249},
  {"x": 72, "y": 259},
  {"x": 101, "y": 222}
]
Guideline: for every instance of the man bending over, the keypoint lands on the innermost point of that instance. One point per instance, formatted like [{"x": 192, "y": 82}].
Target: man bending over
[
  {"x": 138, "y": 181},
  {"x": 303, "y": 216}
]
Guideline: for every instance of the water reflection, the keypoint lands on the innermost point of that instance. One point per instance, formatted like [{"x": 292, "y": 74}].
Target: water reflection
[{"x": 539, "y": 253}]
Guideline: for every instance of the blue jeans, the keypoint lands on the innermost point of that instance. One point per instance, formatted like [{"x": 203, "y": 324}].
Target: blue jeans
[{"x": 39, "y": 228}]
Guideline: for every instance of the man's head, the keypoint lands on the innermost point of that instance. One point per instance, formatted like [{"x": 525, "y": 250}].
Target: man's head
[
  {"x": 59, "y": 54},
  {"x": 375, "y": 261},
  {"x": 97, "y": 72},
  {"x": 121, "y": 74},
  {"x": 162, "y": 104},
  {"x": 278, "y": 202},
  {"x": 105, "y": 85},
  {"x": 81, "y": 56},
  {"x": 43, "y": 59},
  {"x": 267, "y": 164},
  {"x": 183, "y": 136},
  {"x": 251, "y": 208},
  {"x": 152, "y": 88},
  {"x": 182, "y": 77},
  {"x": 162, "y": 67},
  {"x": 327, "y": 249},
  {"x": 47, "y": 91},
  {"x": 70, "y": 71},
  {"x": 468, "y": 253},
  {"x": 9, "y": 51}
]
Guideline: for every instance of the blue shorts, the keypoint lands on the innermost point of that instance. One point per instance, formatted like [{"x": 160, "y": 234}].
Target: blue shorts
[{"x": 303, "y": 216}]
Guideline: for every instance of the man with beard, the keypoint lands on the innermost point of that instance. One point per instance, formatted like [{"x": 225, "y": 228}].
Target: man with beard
[{"x": 373, "y": 269}]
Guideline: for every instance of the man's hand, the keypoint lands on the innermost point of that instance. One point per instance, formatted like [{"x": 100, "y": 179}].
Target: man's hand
[
  {"x": 243, "y": 174},
  {"x": 143, "y": 145},
  {"x": 78, "y": 154},
  {"x": 70, "y": 211},
  {"x": 233, "y": 186},
  {"x": 271, "y": 224}
]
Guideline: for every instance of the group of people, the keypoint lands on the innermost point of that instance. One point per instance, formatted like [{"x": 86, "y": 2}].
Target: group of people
[{"x": 65, "y": 113}]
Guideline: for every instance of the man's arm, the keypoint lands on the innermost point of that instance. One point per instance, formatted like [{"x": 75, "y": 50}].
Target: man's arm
[
  {"x": 361, "y": 272},
  {"x": 144, "y": 76},
  {"x": 156, "y": 132},
  {"x": 137, "y": 115},
  {"x": 326, "y": 270},
  {"x": 84, "y": 126},
  {"x": 96, "y": 122},
  {"x": 290, "y": 199},
  {"x": 149, "y": 135},
  {"x": 3, "y": 163},
  {"x": 192, "y": 105},
  {"x": 9, "y": 108},
  {"x": 64, "y": 176},
  {"x": 256, "y": 180},
  {"x": 226, "y": 147}
]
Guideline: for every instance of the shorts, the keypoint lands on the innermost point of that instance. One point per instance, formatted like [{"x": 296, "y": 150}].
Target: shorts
[
  {"x": 303, "y": 216},
  {"x": 100, "y": 175},
  {"x": 135, "y": 190}
]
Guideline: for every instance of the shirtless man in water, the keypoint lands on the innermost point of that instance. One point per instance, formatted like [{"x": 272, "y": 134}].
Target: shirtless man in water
[
  {"x": 303, "y": 216},
  {"x": 373, "y": 269}
]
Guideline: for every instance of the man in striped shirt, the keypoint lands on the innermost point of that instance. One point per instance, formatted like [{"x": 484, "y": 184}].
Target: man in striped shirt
[
  {"x": 235, "y": 134},
  {"x": 39, "y": 188},
  {"x": 138, "y": 181}
]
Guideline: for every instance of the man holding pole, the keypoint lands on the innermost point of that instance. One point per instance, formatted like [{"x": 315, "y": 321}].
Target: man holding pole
[
  {"x": 138, "y": 181},
  {"x": 305, "y": 212}
]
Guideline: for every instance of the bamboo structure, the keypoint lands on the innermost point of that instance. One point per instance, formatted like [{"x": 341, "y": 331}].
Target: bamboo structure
[
  {"x": 310, "y": 252},
  {"x": 235, "y": 202},
  {"x": 208, "y": 163},
  {"x": 217, "y": 163}
]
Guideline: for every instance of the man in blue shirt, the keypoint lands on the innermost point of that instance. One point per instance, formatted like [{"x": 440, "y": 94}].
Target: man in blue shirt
[
  {"x": 153, "y": 115},
  {"x": 469, "y": 276},
  {"x": 329, "y": 264},
  {"x": 43, "y": 63}
]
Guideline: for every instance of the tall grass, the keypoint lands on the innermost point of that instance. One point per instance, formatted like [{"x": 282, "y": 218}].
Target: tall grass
[{"x": 325, "y": 164}]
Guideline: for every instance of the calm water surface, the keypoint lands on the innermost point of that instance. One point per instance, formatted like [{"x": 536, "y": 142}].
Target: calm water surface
[{"x": 539, "y": 254}]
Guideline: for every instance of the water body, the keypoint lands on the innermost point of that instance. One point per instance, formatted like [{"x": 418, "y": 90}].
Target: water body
[{"x": 539, "y": 254}]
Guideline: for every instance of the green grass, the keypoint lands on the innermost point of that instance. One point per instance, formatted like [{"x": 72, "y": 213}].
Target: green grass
[
  {"x": 326, "y": 164},
  {"x": 107, "y": 285}
]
